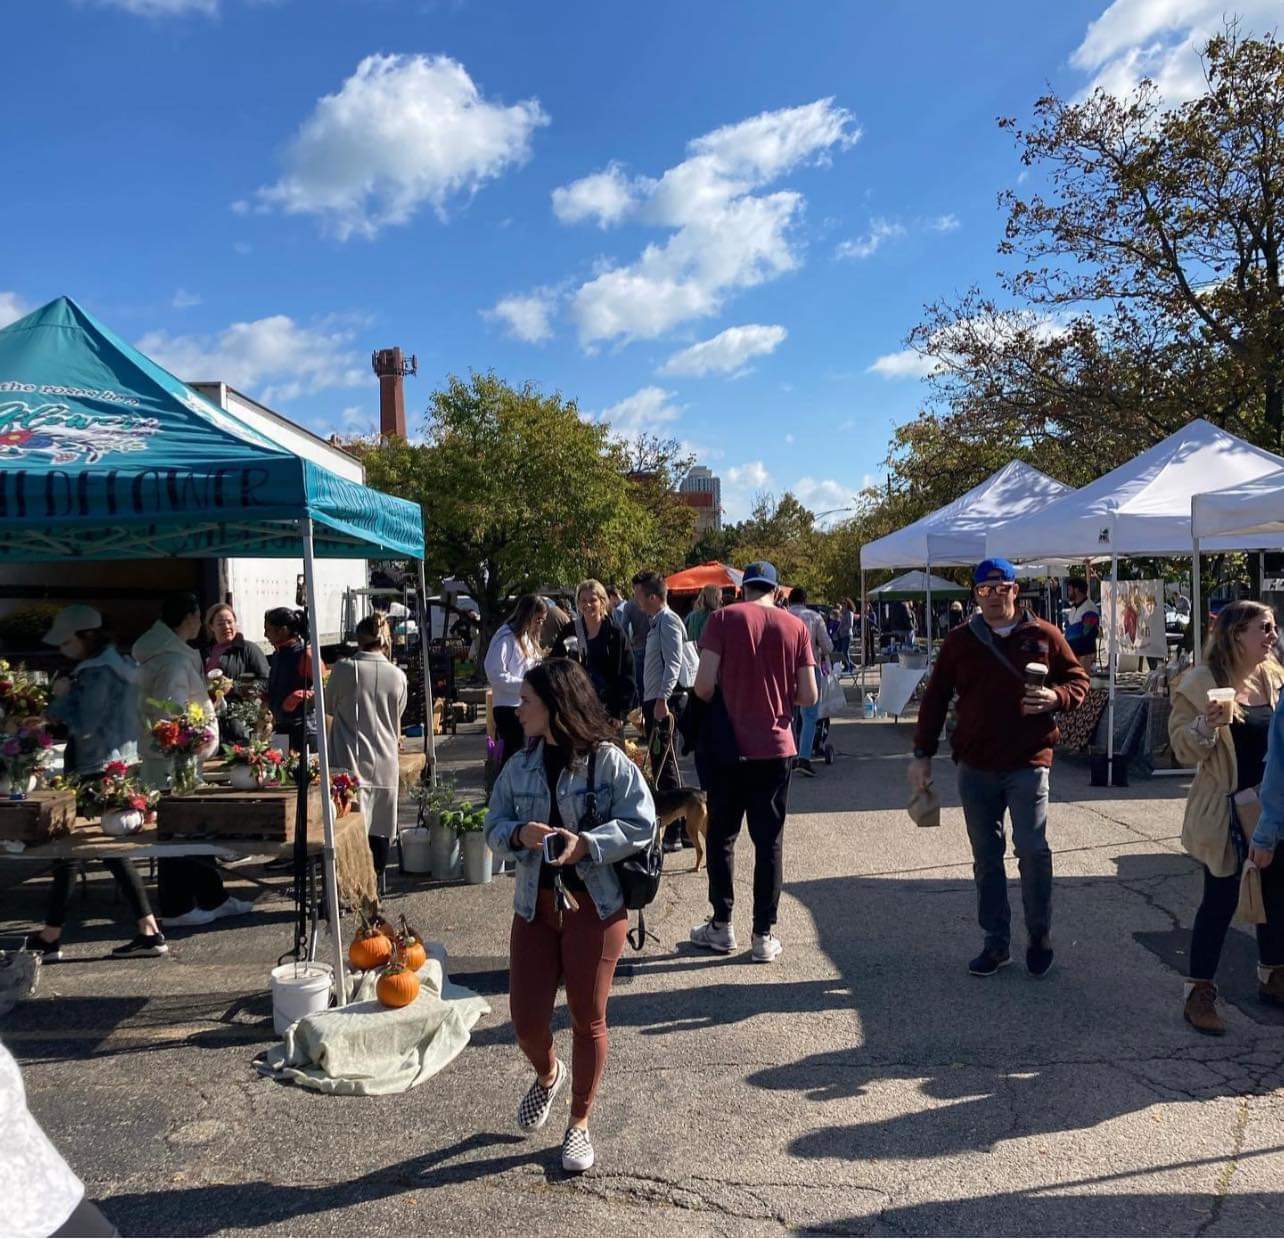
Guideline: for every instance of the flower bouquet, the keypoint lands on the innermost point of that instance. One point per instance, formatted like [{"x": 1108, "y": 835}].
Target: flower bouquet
[
  {"x": 118, "y": 798},
  {"x": 186, "y": 735},
  {"x": 20, "y": 694},
  {"x": 24, "y": 753},
  {"x": 252, "y": 765},
  {"x": 344, "y": 787}
]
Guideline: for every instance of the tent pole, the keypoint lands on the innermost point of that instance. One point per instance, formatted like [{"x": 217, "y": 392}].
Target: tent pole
[
  {"x": 864, "y": 636},
  {"x": 1196, "y": 603},
  {"x": 1114, "y": 660},
  {"x": 430, "y": 737},
  {"x": 929, "y": 607},
  {"x": 323, "y": 755}
]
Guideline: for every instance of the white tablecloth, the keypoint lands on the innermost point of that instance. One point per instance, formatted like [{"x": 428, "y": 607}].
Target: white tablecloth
[{"x": 896, "y": 687}]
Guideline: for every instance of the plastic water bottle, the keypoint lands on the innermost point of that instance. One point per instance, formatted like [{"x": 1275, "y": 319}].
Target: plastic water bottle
[{"x": 870, "y": 705}]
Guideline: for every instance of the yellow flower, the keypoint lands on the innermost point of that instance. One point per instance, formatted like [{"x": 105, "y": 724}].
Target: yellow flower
[{"x": 197, "y": 712}]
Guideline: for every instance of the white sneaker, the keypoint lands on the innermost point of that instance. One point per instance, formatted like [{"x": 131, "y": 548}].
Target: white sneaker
[
  {"x": 197, "y": 916},
  {"x": 766, "y": 947},
  {"x": 715, "y": 937},
  {"x": 534, "y": 1109},
  {"x": 577, "y": 1150},
  {"x": 232, "y": 907}
]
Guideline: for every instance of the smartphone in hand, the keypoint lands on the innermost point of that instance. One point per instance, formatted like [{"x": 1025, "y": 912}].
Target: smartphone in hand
[{"x": 554, "y": 846}]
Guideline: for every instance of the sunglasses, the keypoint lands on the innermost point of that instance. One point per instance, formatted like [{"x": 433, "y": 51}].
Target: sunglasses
[{"x": 998, "y": 587}]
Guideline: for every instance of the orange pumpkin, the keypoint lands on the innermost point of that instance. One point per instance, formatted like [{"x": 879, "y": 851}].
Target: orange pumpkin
[
  {"x": 398, "y": 986},
  {"x": 371, "y": 948},
  {"x": 410, "y": 947}
]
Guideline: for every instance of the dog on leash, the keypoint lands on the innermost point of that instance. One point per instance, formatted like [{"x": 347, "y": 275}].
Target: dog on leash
[{"x": 675, "y": 802}]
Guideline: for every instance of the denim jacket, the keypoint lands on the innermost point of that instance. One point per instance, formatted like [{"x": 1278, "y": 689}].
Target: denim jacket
[
  {"x": 100, "y": 712},
  {"x": 1270, "y": 826},
  {"x": 624, "y": 806}
]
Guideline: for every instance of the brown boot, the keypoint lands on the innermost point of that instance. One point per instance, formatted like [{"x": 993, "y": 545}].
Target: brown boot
[
  {"x": 1272, "y": 989},
  {"x": 1201, "y": 1009}
]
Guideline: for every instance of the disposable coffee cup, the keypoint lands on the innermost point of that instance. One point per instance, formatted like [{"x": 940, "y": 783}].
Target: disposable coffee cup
[
  {"x": 1036, "y": 675},
  {"x": 1224, "y": 700}
]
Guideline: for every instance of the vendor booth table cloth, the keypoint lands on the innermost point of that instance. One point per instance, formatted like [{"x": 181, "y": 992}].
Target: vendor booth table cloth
[
  {"x": 897, "y": 684},
  {"x": 365, "y": 1049}
]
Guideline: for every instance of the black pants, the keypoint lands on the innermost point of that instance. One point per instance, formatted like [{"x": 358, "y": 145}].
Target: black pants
[
  {"x": 661, "y": 737},
  {"x": 758, "y": 790},
  {"x": 1217, "y": 910},
  {"x": 509, "y": 730},
  {"x": 379, "y": 845},
  {"x": 184, "y": 883},
  {"x": 127, "y": 878}
]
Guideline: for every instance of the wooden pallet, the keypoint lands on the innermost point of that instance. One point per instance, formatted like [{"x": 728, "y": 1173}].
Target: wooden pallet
[
  {"x": 41, "y": 817},
  {"x": 222, "y": 813}
]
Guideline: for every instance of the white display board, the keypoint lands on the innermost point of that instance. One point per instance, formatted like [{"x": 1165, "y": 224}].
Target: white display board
[{"x": 1140, "y": 618}]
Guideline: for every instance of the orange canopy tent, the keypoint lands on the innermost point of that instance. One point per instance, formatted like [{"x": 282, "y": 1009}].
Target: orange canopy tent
[{"x": 692, "y": 580}]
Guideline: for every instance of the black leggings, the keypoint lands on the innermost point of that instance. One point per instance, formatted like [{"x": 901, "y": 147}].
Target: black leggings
[
  {"x": 1217, "y": 910},
  {"x": 127, "y": 879},
  {"x": 509, "y": 730}
]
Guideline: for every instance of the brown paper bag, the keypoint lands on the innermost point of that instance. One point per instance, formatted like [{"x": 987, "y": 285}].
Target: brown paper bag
[
  {"x": 925, "y": 807},
  {"x": 1251, "y": 908}
]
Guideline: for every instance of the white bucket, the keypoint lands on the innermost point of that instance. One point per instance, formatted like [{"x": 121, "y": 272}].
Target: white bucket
[
  {"x": 298, "y": 990},
  {"x": 416, "y": 855}
]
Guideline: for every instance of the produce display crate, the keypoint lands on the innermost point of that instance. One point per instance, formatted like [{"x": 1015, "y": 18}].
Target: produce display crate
[
  {"x": 40, "y": 818},
  {"x": 223, "y": 813}
]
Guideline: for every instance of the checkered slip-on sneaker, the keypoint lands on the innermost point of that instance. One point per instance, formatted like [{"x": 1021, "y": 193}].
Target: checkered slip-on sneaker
[
  {"x": 533, "y": 1113},
  {"x": 577, "y": 1150}
]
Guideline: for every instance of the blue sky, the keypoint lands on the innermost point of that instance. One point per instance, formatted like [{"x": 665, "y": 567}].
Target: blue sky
[{"x": 716, "y": 220}]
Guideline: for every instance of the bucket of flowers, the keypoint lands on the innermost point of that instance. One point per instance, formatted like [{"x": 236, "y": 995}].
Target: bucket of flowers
[
  {"x": 25, "y": 752},
  {"x": 253, "y": 765},
  {"x": 118, "y": 799},
  {"x": 21, "y": 696},
  {"x": 187, "y": 735},
  {"x": 344, "y": 787}
]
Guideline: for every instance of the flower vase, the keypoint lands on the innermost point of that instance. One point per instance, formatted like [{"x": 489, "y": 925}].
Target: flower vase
[
  {"x": 118, "y": 822},
  {"x": 186, "y": 777},
  {"x": 243, "y": 778}
]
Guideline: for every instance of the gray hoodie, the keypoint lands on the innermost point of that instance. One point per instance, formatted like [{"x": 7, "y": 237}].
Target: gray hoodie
[{"x": 170, "y": 670}]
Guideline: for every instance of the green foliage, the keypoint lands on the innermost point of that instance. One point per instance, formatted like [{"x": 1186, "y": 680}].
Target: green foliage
[{"x": 466, "y": 820}]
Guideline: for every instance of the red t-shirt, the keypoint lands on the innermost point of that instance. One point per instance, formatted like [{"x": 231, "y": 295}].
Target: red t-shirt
[{"x": 761, "y": 650}]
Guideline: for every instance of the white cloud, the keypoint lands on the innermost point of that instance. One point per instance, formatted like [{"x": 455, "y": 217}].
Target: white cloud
[
  {"x": 739, "y": 486},
  {"x": 727, "y": 352},
  {"x": 911, "y": 364},
  {"x": 823, "y": 495},
  {"x": 905, "y": 364},
  {"x": 275, "y": 358},
  {"x": 945, "y": 223},
  {"x": 12, "y": 308},
  {"x": 754, "y": 474},
  {"x": 606, "y": 197},
  {"x": 1161, "y": 40},
  {"x": 724, "y": 236},
  {"x": 183, "y": 300},
  {"x": 401, "y": 133},
  {"x": 880, "y": 232},
  {"x": 650, "y": 410},
  {"x": 789, "y": 439},
  {"x": 526, "y": 316},
  {"x": 162, "y": 8}
]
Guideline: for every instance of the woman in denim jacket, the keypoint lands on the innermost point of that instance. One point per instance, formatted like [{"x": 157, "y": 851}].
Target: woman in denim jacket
[{"x": 570, "y": 923}]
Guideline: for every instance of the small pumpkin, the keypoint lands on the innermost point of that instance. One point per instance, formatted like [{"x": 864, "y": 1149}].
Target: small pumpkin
[
  {"x": 398, "y": 986},
  {"x": 410, "y": 945},
  {"x": 372, "y": 947}
]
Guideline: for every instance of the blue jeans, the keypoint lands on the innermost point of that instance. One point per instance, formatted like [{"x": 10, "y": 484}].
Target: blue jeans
[
  {"x": 807, "y": 731},
  {"x": 986, "y": 795}
]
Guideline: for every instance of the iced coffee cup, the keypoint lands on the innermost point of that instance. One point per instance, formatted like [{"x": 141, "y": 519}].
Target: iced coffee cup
[
  {"x": 1221, "y": 701},
  {"x": 1036, "y": 675}
]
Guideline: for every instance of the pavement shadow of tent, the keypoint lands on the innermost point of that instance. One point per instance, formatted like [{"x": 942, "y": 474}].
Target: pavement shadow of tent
[{"x": 1005, "y": 1057}]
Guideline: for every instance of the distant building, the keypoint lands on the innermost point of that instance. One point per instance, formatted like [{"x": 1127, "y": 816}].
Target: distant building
[{"x": 701, "y": 489}]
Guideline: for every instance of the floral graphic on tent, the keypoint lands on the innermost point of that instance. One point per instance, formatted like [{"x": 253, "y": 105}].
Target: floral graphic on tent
[{"x": 59, "y": 435}]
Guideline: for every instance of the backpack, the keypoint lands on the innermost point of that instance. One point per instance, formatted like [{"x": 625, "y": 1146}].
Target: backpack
[{"x": 638, "y": 872}]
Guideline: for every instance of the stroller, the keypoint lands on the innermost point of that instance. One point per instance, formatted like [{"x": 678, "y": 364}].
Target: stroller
[{"x": 831, "y": 693}]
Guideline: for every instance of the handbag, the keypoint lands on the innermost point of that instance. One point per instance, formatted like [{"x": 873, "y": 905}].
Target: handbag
[
  {"x": 690, "y": 665},
  {"x": 638, "y": 872}
]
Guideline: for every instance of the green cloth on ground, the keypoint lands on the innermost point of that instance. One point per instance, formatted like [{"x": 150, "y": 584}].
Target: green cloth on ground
[{"x": 365, "y": 1049}]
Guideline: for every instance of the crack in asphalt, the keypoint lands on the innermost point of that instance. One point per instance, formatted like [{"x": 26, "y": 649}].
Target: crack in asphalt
[{"x": 1221, "y": 1189}]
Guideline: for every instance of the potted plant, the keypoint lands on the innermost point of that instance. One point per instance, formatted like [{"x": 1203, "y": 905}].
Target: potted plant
[
  {"x": 117, "y": 798},
  {"x": 24, "y": 752},
  {"x": 469, "y": 822},
  {"x": 430, "y": 839},
  {"x": 187, "y": 736},
  {"x": 253, "y": 765}
]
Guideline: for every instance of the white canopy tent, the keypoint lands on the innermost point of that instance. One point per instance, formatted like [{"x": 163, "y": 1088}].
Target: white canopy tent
[
  {"x": 1143, "y": 508},
  {"x": 955, "y": 534}
]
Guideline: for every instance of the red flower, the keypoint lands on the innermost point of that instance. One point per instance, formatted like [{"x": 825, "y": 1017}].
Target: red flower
[
  {"x": 138, "y": 802},
  {"x": 115, "y": 769},
  {"x": 166, "y": 733}
]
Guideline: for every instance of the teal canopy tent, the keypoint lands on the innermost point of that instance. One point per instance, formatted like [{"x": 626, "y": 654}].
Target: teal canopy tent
[{"x": 104, "y": 455}]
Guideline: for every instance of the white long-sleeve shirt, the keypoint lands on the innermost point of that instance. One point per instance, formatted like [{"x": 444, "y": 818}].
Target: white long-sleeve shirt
[{"x": 506, "y": 666}]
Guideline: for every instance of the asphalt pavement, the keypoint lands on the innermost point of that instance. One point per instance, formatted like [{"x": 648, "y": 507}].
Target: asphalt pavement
[{"x": 863, "y": 1084}]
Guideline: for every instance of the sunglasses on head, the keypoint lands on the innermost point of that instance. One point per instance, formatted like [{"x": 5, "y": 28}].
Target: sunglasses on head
[{"x": 996, "y": 587}]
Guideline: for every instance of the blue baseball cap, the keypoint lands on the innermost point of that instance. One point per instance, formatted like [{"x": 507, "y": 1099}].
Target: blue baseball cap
[
  {"x": 761, "y": 573},
  {"x": 989, "y": 567}
]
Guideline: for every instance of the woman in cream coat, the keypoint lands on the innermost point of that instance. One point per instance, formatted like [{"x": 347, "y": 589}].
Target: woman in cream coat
[
  {"x": 1227, "y": 745},
  {"x": 366, "y": 696}
]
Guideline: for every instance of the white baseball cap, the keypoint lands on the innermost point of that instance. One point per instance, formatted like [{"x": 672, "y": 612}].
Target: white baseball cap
[{"x": 70, "y": 620}]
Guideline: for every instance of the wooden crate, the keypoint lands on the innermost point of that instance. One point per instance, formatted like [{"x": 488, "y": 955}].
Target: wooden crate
[
  {"x": 222, "y": 813},
  {"x": 42, "y": 816}
]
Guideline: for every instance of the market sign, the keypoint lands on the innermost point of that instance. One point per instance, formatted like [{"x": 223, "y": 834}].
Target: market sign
[{"x": 1139, "y": 618}]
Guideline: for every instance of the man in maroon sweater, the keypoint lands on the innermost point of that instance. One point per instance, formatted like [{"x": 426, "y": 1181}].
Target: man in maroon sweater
[{"x": 1003, "y": 747}]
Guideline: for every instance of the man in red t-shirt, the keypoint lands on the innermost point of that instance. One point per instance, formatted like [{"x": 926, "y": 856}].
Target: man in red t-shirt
[{"x": 759, "y": 658}]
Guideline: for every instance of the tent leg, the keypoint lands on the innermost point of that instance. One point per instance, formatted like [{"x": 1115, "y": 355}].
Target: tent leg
[
  {"x": 1196, "y": 603},
  {"x": 323, "y": 755},
  {"x": 1114, "y": 666},
  {"x": 864, "y": 635},
  {"x": 430, "y": 738},
  {"x": 928, "y": 609}
]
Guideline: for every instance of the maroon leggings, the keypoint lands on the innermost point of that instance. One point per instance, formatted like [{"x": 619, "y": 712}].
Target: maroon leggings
[{"x": 577, "y": 947}]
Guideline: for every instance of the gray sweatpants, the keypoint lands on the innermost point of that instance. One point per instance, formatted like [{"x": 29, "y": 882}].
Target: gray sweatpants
[{"x": 986, "y": 796}]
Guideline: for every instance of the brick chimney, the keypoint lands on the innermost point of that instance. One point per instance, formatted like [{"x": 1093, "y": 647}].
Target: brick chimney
[{"x": 391, "y": 366}]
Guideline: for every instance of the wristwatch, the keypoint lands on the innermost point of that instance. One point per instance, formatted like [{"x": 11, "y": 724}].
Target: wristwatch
[{"x": 919, "y": 753}]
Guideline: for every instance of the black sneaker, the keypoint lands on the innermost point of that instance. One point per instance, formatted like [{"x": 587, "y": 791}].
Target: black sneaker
[
  {"x": 1038, "y": 958},
  {"x": 49, "y": 952},
  {"x": 989, "y": 962},
  {"x": 803, "y": 766},
  {"x": 142, "y": 944}
]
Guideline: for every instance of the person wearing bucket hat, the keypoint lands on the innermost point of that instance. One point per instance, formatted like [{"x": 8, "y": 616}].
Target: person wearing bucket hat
[{"x": 1010, "y": 672}]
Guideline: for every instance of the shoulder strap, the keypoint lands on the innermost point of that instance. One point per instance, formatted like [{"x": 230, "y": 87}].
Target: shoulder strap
[{"x": 981, "y": 631}]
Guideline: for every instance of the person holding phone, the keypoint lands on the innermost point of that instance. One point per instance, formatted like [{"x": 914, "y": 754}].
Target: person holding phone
[
  {"x": 1220, "y": 723},
  {"x": 569, "y": 922}
]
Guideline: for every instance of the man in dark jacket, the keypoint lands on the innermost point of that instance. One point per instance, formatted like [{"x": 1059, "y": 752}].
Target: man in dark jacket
[{"x": 1011, "y": 671}]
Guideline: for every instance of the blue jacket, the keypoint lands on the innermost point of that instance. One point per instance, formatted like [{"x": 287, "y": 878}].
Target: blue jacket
[
  {"x": 100, "y": 712},
  {"x": 623, "y": 803},
  {"x": 1270, "y": 826}
]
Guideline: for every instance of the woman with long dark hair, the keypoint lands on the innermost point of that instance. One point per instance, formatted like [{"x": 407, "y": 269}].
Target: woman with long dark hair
[
  {"x": 591, "y": 640},
  {"x": 289, "y": 689},
  {"x": 570, "y": 923},
  {"x": 1227, "y": 743},
  {"x": 514, "y": 650}
]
